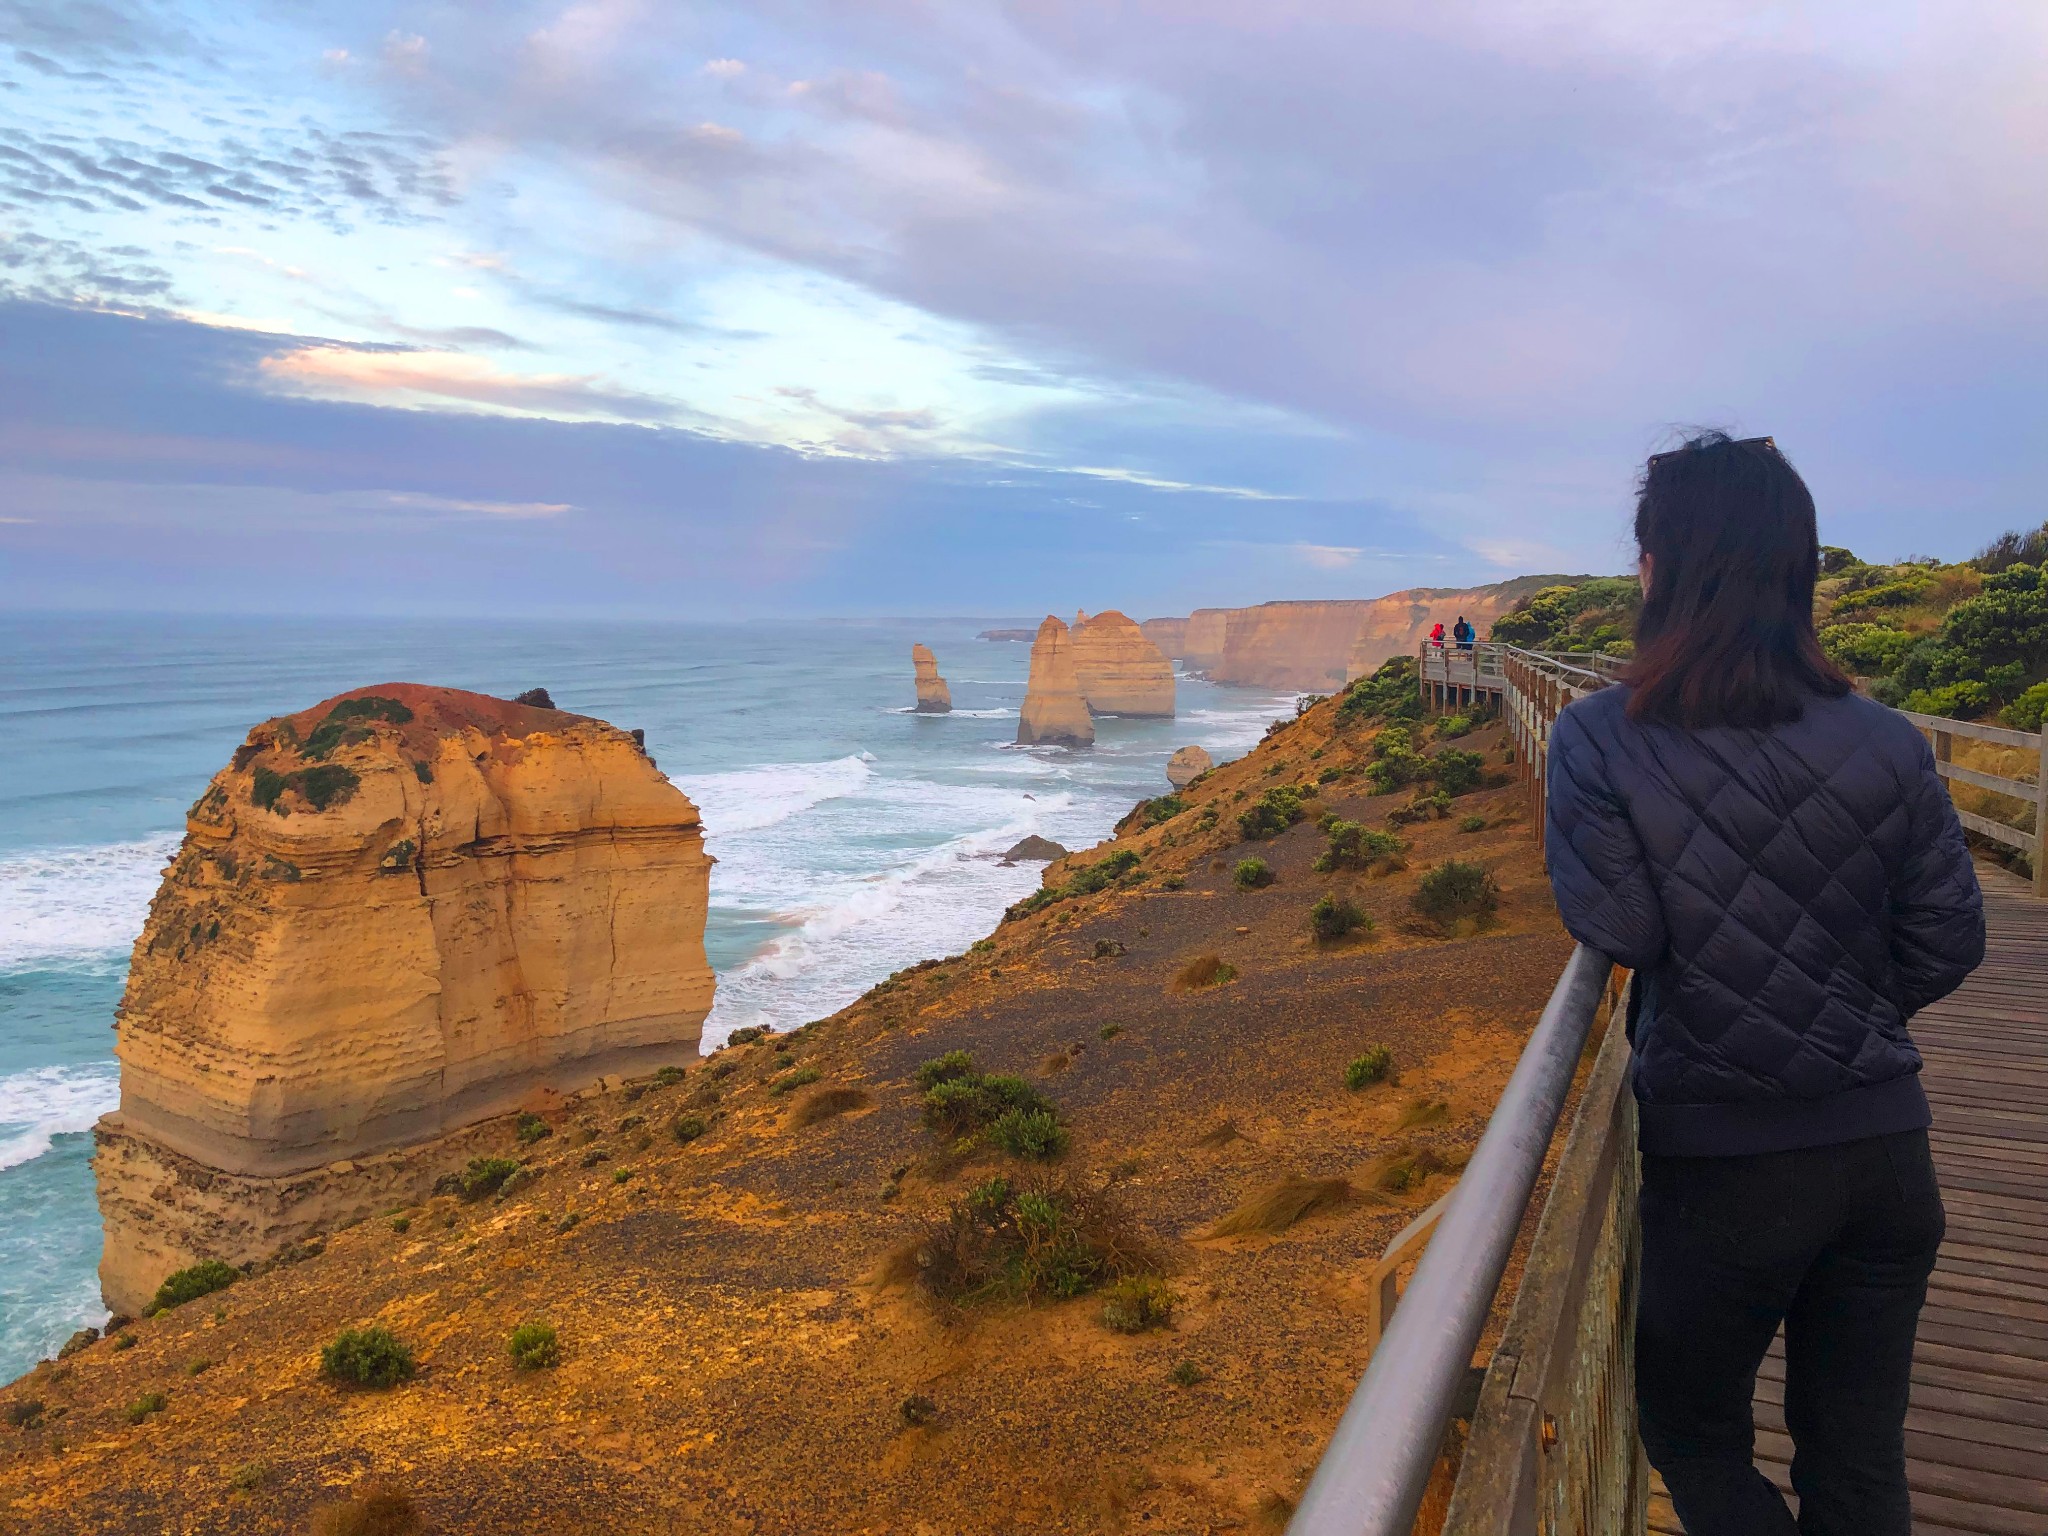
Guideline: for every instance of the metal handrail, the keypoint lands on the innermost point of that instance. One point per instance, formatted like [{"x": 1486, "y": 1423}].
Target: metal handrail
[{"x": 1371, "y": 1479}]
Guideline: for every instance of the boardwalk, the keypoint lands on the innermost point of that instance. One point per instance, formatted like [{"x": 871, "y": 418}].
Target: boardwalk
[{"x": 1977, "y": 1433}]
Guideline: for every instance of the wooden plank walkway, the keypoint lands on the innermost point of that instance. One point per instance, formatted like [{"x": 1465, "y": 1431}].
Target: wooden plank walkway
[{"x": 1977, "y": 1431}]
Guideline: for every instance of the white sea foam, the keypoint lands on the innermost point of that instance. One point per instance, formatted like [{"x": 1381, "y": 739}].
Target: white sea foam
[
  {"x": 748, "y": 799},
  {"x": 78, "y": 906},
  {"x": 52, "y": 1101}
]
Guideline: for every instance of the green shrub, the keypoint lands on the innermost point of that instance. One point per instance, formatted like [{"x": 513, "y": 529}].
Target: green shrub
[
  {"x": 534, "y": 1346},
  {"x": 970, "y": 1103},
  {"x": 1354, "y": 845},
  {"x": 669, "y": 1076},
  {"x": 532, "y": 1128},
  {"x": 1451, "y": 727},
  {"x": 747, "y": 1034},
  {"x": 1137, "y": 1304},
  {"x": 944, "y": 1068},
  {"x": 342, "y": 722},
  {"x": 423, "y": 771},
  {"x": 1432, "y": 807},
  {"x": 201, "y": 1279},
  {"x": 328, "y": 784},
  {"x": 1174, "y": 883},
  {"x": 1252, "y": 874},
  {"x": 1110, "y": 1031},
  {"x": 1454, "y": 890},
  {"x": 145, "y": 1405},
  {"x": 1332, "y": 917},
  {"x": 485, "y": 1176},
  {"x": 917, "y": 1409},
  {"x": 366, "y": 1357},
  {"x": 1957, "y": 701},
  {"x": 266, "y": 786},
  {"x": 25, "y": 1412},
  {"x": 1388, "y": 694},
  {"x": 1095, "y": 877},
  {"x": 1456, "y": 772},
  {"x": 802, "y": 1077},
  {"x": 622, "y": 1175},
  {"x": 1864, "y": 649},
  {"x": 1186, "y": 1373},
  {"x": 1038, "y": 1240},
  {"x": 2029, "y": 710},
  {"x": 1372, "y": 1067},
  {"x": 1163, "y": 808},
  {"x": 249, "y": 1475},
  {"x": 1472, "y": 824},
  {"x": 1395, "y": 761},
  {"x": 1029, "y": 1133},
  {"x": 1594, "y": 615},
  {"x": 401, "y": 1224},
  {"x": 1273, "y": 813}
]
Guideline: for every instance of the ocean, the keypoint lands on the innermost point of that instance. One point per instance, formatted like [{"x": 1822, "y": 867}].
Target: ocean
[{"x": 853, "y": 837}]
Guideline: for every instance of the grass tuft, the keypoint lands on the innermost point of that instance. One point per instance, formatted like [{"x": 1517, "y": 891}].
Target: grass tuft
[
  {"x": 1277, "y": 1206},
  {"x": 1206, "y": 971}
]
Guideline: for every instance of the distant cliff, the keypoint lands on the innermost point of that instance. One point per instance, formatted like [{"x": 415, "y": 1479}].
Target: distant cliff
[
  {"x": 1319, "y": 646},
  {"x": 395, "y": 915}
]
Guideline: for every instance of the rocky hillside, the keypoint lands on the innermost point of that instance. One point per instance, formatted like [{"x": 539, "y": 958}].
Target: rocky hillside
[{"x": 1066, "y": 1233}]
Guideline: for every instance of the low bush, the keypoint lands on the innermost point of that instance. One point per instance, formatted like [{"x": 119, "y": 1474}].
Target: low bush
[
  {"x": 747, "y": 1034},
  {"x": 1163, "y": 808},
  {"x": 1354, "y": 845},
  {"x": 1272, "y": 813},
  {"x": 944, "y": 1068},
  {"x": 1206, "y": 971},
  {"x": 1455, "y": 890},
  {"x": 346, "y": 721},
  {"x": 145, "y": 1405},
  {"x": 917, "y": 1409},
  {"x": 248, "y": 1476},
  {"x": 366, "y": 1357},
  {"x": 1472, "y": 824},
  {"x": 1332, "y": 917},
  {"x": 1029, "y": 1133},
  {"x": 485, "y": 1176},
  {"x": 1372, "y": 1067},
  {"x": 1099, "y": 876},
  {"x": 532, "y": 1128},
  {"x": 1252, "y": 874},
  {"x": 1388, "y": 694},
  {"x": 622, "y": 1175},
  {"x": 669, "y": 1076},
  {"x": 1110, "y": 1031},
  {"x": 201, "y": 1279},
  {"x": 1430, "y": 807},
  {"x": 1456, "y": 772},
  {"x": 25, "y": 1412},
  {"x": 1137, "y": 1304},
  {"x": 1186, "y": 1373},
  {"x": 802, "y": 1077},
  {"x": 534, "y": 1346},
  {"x": 1035, "y": 1240},
  {"x": 1406, "y": 1170}
]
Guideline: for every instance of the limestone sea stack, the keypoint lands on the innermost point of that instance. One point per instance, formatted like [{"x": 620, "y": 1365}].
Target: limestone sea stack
[
  {"x": 933, "y": 696},
  {"x": 1121, "y": 672},
  {"x": 394, "y": 916},
  {"x": 1054, "y": 713},
  {"x": 1187, "y": 765}
]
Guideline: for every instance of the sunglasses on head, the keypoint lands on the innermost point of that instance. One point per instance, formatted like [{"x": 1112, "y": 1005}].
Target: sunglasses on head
[{"x": 1744, "y": 442}]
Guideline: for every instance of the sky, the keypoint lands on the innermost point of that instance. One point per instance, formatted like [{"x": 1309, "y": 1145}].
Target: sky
[{"x": 868, "y": 307}]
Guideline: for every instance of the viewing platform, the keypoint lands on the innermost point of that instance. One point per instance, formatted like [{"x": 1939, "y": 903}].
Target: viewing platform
[{"x": 1540, "y": 1435}]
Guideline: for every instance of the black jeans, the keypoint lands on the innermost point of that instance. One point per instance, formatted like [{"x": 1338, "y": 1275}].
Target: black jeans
[{"x": 1834, "y": 1242}]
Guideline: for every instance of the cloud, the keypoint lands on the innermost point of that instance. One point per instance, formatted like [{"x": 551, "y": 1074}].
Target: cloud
[
  {"x": 1159, "y": 483},
  {"x": 406, "y": 377},
  {"x": 1328, "y": 557},
  {"x": 454, "y": 504}
]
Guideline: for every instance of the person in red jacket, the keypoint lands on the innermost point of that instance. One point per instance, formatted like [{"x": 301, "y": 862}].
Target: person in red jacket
[{"x": 1436, "y": 635}]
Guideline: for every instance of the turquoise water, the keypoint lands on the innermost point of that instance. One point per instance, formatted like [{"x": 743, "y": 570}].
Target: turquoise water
[{"x": 853, "y": 837}]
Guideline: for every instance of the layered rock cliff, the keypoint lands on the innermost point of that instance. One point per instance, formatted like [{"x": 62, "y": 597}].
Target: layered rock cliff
[
  {"x": 395, "y": 915},
  {"x": 1170, "y": 635},
  {"x": 1054, "y": 712},
  {"x": 1119, "y": 670},
  {"x": 933, "y": 696},
  {"x": 1319, "y": 646}
]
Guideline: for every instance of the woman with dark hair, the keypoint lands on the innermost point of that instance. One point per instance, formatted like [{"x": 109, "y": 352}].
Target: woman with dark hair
[{"x": 1775, "y": 858}]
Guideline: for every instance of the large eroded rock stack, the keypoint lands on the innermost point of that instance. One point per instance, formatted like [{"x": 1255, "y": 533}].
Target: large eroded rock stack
[
  {"x": 933, "y": 696},
  {"x": 1054, "y": 712},
  {"x": 1120, "y": 671},
  {"x": 397, "y": 915}
]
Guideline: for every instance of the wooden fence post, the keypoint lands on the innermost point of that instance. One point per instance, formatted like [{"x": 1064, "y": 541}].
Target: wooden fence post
[{"x": 2041, "y": 818}]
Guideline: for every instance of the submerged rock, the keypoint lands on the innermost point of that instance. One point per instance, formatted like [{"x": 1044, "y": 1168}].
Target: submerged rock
[{"x": 1035, "y": 849}]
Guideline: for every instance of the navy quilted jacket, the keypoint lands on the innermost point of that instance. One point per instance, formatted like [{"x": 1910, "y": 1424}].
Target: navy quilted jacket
[{"x": 1789, "y": 899}]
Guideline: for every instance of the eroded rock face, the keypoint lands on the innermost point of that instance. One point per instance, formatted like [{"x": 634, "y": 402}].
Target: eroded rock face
[
  {"x": 395, "y": 915},
  {"x": 1187, "y": 765},
  {"x": 933, "y": 696},
  {"x": 1054, "y": 711},
  {"x": 1119, "y": 670}
]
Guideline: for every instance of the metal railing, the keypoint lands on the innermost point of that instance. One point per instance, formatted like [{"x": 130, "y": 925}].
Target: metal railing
[
  {"x": 1371, "y": 1479},
  {"x": 1552, "y": 1446},
  {"x": 2035, "y": 795}
]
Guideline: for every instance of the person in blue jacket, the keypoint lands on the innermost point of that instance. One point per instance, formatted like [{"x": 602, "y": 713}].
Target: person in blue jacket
[{"x": 1775, "y": 858}]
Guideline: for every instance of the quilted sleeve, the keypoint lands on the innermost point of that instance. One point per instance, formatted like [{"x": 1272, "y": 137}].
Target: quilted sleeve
[
  {"x": 1598, "y": 870},
  {"x": 1937, "y": 929}
]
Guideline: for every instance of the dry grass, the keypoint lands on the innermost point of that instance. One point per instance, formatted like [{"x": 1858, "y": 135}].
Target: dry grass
[
  {"x": 1206, "y": 971},
  {"x": 1055, "y": 1064},
  {"x": 825, "y": 1104},
  {"x": 1221, "y": 1134},
  {"x": 1417, "y": 1112},
  {"x": 373, "y": 1510},
  {"x": 1407, "y": 1169},
  {"x": 1277, "y": 1206}
]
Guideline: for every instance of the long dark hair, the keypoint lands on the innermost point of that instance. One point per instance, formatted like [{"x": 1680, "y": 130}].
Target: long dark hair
[{"x": 1726, "y": 634}]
